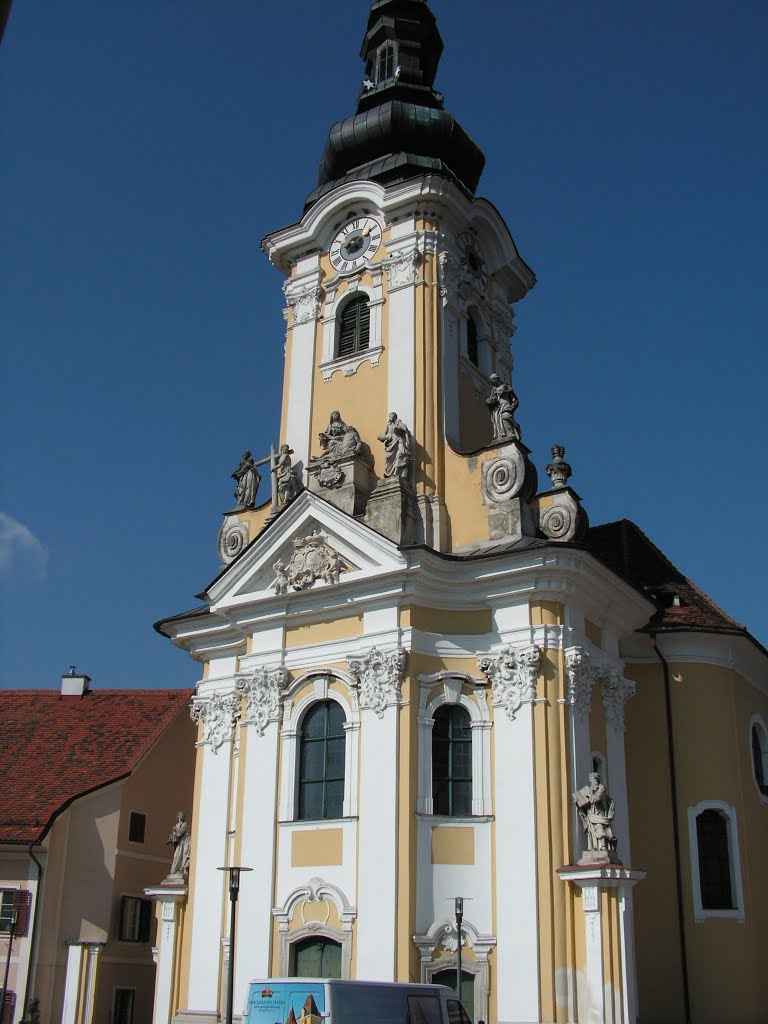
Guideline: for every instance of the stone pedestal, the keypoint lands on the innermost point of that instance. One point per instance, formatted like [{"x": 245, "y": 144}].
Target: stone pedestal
[
  {"x": 346, "y": 482},
  {"x": 509, "y": 481},
  {"x": 171, "y": 895},
  {"x": 609, "y": 935},
  {"x": 393, "y": 511},
  {"x": 559, "y": 514}
]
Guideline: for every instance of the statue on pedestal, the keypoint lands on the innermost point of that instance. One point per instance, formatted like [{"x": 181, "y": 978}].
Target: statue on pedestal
[
  {"x": 398, "y": 444},
  {"x": 596, "y": 811},
  {"x": 248, "y": 479},
  {"x": 338, "y": 440},
  {"x": 285, "y": 476},
  {"x": 502, "y": 403},
  {"x": 181, "y": 841}
]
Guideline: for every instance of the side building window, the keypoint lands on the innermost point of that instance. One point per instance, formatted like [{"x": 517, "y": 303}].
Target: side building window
[
  {"x": 759, "y": 744},
  {"x": 321, "y": 762},
  {"x": 452, "y": 762},
  {"x": 716, "y": 869},
  {"x": 15, "y": 906},
  {"x": 354, "y": 326},
  {"x": 135, "y": 919}
]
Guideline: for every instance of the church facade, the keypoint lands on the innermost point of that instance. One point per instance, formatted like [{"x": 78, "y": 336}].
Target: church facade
[{"x": 425, "y": 677}]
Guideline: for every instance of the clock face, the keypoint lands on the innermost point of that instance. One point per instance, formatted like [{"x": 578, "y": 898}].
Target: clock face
[
  {"x": 473, "y": 259},
  {"x": 355, "y": 244}
]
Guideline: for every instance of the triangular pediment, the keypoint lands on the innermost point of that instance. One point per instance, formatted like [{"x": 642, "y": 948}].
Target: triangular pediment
[{"x": 310, "y": 547}]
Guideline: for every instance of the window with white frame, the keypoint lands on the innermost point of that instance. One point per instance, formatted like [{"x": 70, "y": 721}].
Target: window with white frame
[
  {"x": 385, "y": 63},
  {"x": 715, "y": 864},
  {"x": 354, "y": 326},
  {"x": 454, "y": 748},
  {"x": 758, "y": 737},
  {"x": 319, "y": 750}
]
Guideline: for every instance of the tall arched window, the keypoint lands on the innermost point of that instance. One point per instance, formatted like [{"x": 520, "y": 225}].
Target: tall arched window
[
  {"x": 354, "y": 326},
  {"x": 385, "y": 67},
  {"x": 452, "y": 762},
  {"x": 714, "y": 860},
  {"x": 473, "y": 352},
  {"x": 759, "y": 737},
  {"x": 316, "y": 957},
  {"x": 321, "y": 762}
]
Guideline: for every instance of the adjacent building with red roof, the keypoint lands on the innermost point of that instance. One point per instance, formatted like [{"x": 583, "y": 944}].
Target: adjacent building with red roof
[{"x": 91, "y": 781}]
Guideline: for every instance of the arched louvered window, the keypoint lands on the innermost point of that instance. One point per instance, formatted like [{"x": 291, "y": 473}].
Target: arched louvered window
[
  {"x": 321, "y": 762},
  {"x": 354, "y": 326},
  {"x": 472, "y": 346},
  {"x": 714, "y": 860},
  {"x": 385, "y": 67},
  {"x": 452, "y": 762}
]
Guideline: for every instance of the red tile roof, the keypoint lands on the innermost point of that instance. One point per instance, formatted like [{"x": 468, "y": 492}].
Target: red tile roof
[
  {"x": 625, "y": 549},
  {"x": 54, "y": 749}
]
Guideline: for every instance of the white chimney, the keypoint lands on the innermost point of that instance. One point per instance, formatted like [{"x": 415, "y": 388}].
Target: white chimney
[{"x": 74, "y": 684}]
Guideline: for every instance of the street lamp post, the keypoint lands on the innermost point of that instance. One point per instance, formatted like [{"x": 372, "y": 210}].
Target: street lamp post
[
  {"x": 14, "y": 917},
  {"x": 234, "y": 890},
  {"x": 459, "y": 908}
]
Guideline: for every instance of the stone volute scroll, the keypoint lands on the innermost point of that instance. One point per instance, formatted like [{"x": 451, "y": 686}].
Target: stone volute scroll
[
  {"x": 596, "y": 813},
  {"x": 559, "y": 512},
  {"x": 181, "y": 841},
  {"x": 512, "y": 673},
  {"x": 509, "y": 481},
  {"x": 379, "y": 675},
  {"x": 341, "y": 473}
]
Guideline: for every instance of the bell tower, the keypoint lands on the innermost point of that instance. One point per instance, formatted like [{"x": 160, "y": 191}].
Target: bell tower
[{"x": 400, "y": 292}]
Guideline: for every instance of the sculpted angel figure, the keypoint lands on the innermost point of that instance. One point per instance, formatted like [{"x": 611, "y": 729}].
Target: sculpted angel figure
[
  {"x": 281, "y": 578},
  {"x": 248, "y": 479},
  {"x": 338, "y": 440},
  {"x": 502, "y": 403},
  {"x": 181, "y": 841},
  {"x": 596, "y": 811},
  {"x": 287, "y": 484},
  {"x": 398, "y": 444}
]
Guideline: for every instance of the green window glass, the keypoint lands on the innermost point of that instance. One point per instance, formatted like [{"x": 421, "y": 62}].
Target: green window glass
[
  {"x": 321, "y": 762},
  {"x": 448, "y": 978},
  {"x": 452, "y": 762},
  {"x": 317, "y": 958}
]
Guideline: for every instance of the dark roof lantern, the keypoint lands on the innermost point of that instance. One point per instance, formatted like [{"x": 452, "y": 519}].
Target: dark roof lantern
[{"x": 400, "y": 129}]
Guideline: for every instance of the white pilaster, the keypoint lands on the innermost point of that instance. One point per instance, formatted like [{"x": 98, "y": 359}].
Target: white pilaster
[
  {"x": 72, "y": 977},
  {"x": 254, "y": 918},
  {"x": 166, "y": 949},
  {"x": 402, "y": 272},
  {"x": 304, "y": 297},
  {"x": 210, "y": 853},
  {"x": 516, "y": 889},
  {"x": 377, "y": 892}
]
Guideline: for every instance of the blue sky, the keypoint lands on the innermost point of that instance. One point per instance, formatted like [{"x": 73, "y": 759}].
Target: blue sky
[{"x": 149, "y": 145}]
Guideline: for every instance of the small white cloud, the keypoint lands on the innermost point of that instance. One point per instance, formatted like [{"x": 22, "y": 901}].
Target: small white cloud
[{"x": 20, "y": 550}]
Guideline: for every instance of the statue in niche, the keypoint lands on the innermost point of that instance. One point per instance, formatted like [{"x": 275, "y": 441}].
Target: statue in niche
[
  {"x": 181, "y": 841},
  {"x": 398, "y": 444},
  {"x": 285, "y": 476},
  {"x": 502, "y": 403},
  {"x": 248, "y": 479},
  {"x": 338, "y": 440},
  {"x": 596, "y": 811}
]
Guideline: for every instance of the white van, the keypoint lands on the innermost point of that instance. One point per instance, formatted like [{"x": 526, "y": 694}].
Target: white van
[{"x": 330, "y": 1001}]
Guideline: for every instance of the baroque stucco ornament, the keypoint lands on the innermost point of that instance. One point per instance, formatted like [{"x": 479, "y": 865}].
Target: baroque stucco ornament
[
  {"x": 512, "y": 673},
  {"x": 616, "y": 693},
  {"x": 313, "y": 559},
  {"x": 378, "y": 674},
  {"x": 261, "y": 690},
  {"x": 581, "y": 678},
  {"x": 218, "y": 714},
  {"x": 402, "y": 269},
  {"x": 233, "y": 538},
  {"x": 304, "y": 303}
]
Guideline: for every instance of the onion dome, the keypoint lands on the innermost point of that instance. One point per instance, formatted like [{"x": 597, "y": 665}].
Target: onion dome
[{"x": 401, "y": 129}]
